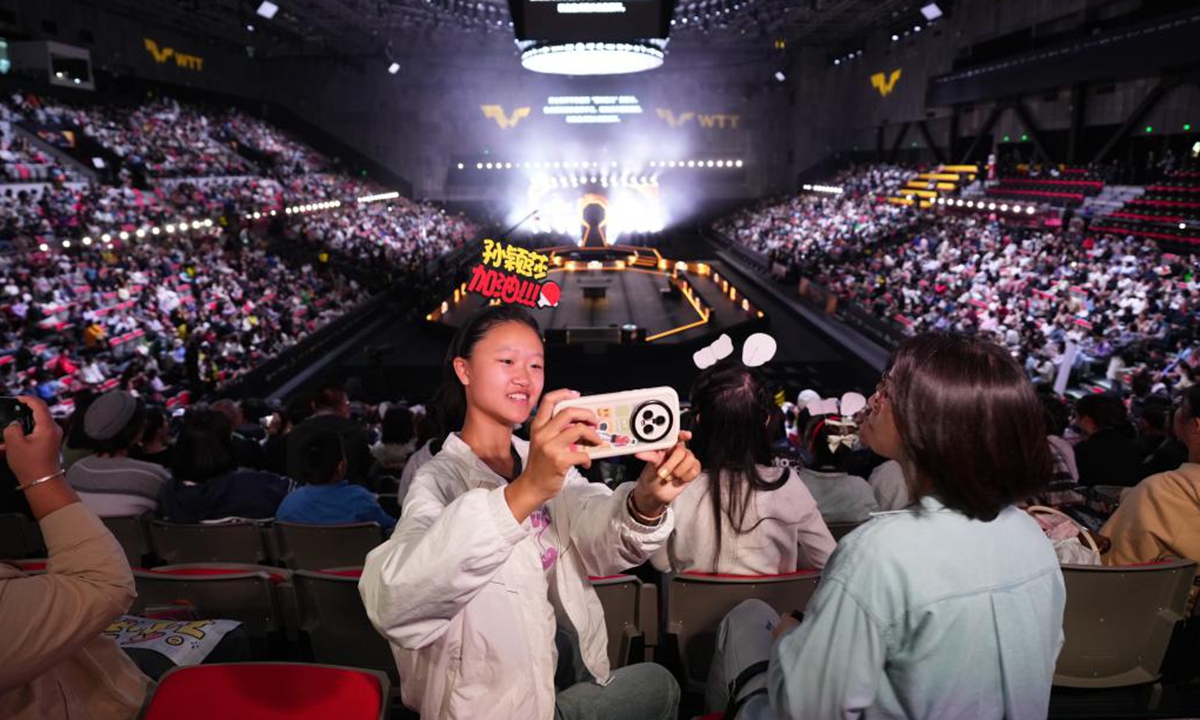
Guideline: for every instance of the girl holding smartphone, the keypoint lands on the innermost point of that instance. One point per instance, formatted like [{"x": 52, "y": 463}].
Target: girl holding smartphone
[{"x": 483, "y": 588}]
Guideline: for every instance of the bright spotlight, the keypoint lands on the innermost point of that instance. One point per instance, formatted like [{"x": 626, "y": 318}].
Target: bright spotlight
[
  {"x": 66, "y": 243},
  {"x": 991, "y": 206},
  {"x": 124, "y": 235},
  {"x": 780, "y": 76},
  {"x": 489, "y": 166},
  {"x": 739, "y": 163},
  {"x": 931, "y": 12},
  {"x": 87, "y": 241},
  {"x": 1004, "y": 208},
  {"x": 393, "y": 68},
  {"x": 267, "y": 9},
  {"x": 895, "y": 38},
  {"x": 710, "y": 163},
  {"x": 1029, "y": 210},
  {"x": 460, "y": 166},
  {"x": 691, "y": 163}
]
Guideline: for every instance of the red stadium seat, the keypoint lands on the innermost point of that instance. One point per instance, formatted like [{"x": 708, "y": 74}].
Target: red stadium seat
[{"x": 270, "y": 691}]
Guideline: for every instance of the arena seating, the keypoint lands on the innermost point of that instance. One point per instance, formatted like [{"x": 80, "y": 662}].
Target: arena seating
[
  {"x": 168, "y": 232},
  {"x": 270, "y": 691},
  {"x": 132, "y": 534},
  {"x": 1059, "y": 186},
  {"x": 238, "y": 542},
  {"x": 260, "y": 597},
  {"x": 1119, "y": 621},
  {"x": 622, "y": 598},
  {"x": 697, "y": 602},
  {"x": 335, "y": 623},
  {"x": 313, "y": 547},
  {"x": 1032, "y": 289},
  {"x": 1168, "y": 212}
]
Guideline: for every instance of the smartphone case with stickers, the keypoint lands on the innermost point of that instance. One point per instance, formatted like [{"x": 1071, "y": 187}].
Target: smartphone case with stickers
[{"x": 632, "y": 421}]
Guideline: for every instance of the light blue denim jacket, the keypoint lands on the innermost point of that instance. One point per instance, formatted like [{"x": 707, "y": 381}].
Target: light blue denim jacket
[{"x": 923, "y": 613}]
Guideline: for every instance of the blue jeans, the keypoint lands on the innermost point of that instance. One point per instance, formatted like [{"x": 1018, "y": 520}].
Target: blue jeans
[
  {"x": 743, "y": 638},
  {"x": 636, "y": 692}
]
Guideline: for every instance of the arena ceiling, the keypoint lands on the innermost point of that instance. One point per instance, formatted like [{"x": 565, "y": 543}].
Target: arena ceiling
[{"x": 365, "y": 27}]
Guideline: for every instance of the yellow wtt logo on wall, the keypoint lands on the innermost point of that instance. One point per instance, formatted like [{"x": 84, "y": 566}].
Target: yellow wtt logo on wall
[
  {"x": 885, "y": 84},
  {"x": 675, "y": 121},
  {"x": 505, "y": 122},
  {"x": 183, "y": 60},
  {"x": 719, "y": 121}
]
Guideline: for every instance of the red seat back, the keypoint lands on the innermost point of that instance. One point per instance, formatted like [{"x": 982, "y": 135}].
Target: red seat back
[{"x": 266, "y": 691}]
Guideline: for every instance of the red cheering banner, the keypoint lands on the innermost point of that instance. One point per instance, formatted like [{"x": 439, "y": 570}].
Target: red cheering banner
[{"x": 513, "y": 274}]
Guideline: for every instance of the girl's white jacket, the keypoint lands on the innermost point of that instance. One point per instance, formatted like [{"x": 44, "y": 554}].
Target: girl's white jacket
[{"x": 461, "y": 593}]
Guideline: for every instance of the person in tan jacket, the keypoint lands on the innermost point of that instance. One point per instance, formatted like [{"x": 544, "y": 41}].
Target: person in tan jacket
[
  {"x": 54, "y": 662},
  {"x": 1160, "y": 518}
]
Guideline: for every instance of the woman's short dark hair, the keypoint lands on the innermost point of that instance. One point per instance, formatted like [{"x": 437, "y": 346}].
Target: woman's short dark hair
[
  {"x": 1056, "y": 412},
  {"x": 156, "y": 419},
  {"x": 205, "y": 447},
  {"x": 321, "y": 451},
  {"x": 76, "y": 437},
  {"x": 1190, "y": 402},
  {"x": 397, "y": 425},
  {"x": 1106, "y": 410},
  {"x": 451, "y": 397},
  {"x": 969, "y": 421}
]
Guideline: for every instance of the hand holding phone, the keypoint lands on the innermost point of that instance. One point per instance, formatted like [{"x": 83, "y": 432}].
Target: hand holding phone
[{"x": 630, "y": 422}]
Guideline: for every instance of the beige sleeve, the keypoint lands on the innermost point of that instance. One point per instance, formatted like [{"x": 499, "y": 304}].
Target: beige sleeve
[{"x": 46, "y": 618}]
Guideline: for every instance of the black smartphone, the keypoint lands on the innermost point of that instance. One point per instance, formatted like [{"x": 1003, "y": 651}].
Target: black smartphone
[{"x": 12, "y": 411}]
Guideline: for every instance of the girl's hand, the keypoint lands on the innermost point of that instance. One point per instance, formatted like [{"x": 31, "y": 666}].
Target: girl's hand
[
  {"x": 666, "y": 474},
  {"x": 553, "y": 450}
]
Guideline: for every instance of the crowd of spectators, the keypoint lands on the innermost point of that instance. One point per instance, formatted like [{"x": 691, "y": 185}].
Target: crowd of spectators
[
  {"x": 284, "y": 155},
  {"x": 1127, "y": 306},
  {"x": 195, "y": 280},
  {"x": 797, "y": 231},
  {"x": 161, "y": 138},
  {"x": 191, "y": 313}
]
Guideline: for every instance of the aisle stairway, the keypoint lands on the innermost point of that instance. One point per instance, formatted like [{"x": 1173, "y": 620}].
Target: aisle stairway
[{"x": 926, "y": 187}]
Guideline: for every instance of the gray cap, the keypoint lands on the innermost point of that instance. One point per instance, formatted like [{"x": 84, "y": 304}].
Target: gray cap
[{"x": 109, "y": 414}]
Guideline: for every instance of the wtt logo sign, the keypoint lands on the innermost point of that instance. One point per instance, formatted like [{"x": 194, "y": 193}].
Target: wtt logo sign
[
  {"x": 496, "y": 112},
  {"x": 183, "y": 60},
  {"x": 885, "y": 84},
  {"x": 717, "y": 121}
]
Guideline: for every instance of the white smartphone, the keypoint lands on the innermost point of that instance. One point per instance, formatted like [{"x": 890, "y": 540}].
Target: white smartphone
[{"x": 632, "y": 421}]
